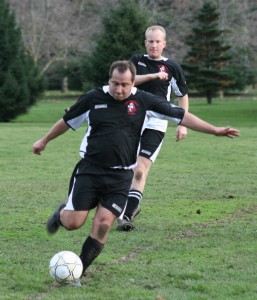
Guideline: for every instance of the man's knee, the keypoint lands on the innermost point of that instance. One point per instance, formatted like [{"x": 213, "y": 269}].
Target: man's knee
[
  {"x": 101, "y": 228},
  {"x": 139, "y": 174},
  {"x": 141, "y": 171},
  {"x": 72, "y": 221},
  {"x": 72, "y": 224},
  {"x": 142, "y": 168}
]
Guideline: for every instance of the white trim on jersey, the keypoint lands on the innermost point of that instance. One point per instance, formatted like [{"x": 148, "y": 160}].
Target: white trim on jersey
[
  {"x": 162, "y": 58},
  {"x": 106, "y": 89},
  {"x": 169, "y": 92},
  {"x": 84, "y": 143},
  {"x": 155, "y": 123},
  {"x": 77, "y": 122},
  {"x": 175, "y": 87},
  {"x": 163, "y": 117}
]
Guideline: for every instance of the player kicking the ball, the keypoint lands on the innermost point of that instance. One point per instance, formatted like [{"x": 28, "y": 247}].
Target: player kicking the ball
[{"x": 115, "y": 115}]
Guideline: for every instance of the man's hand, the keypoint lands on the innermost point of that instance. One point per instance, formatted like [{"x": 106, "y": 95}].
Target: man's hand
[
  {"x": 227, "y": 131},
  {"x": 57, "y": 129},
  {"x": 181, "y": 133},
  {"x": 38, "y": 147},
  {"x": 162, "y": 76}
]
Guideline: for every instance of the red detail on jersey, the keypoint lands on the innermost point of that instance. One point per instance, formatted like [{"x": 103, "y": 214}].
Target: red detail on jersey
[
  {"x": 163, "y": 68},
  {"x": 132, "y": 107}
]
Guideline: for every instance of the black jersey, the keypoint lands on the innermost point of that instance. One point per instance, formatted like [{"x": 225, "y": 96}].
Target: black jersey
[
  {"x": 114, "y": 127},
  {"x": 163, "y": 88}
]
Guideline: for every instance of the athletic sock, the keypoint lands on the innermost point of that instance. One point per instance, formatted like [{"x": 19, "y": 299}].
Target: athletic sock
[
  {"x": 90, "y": 250},
  {"x": 134, "y": 199}
]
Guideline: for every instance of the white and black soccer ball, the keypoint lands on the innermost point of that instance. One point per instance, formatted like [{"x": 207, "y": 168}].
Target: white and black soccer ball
[{"x": 65, "y": 267}]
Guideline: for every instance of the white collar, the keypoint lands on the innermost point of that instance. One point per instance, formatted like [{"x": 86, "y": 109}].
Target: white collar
[
  {"x": 106, "y": 89},
  {"x": 162, "y": 58}
]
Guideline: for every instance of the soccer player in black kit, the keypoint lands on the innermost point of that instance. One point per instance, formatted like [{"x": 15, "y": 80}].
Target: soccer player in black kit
[
  {"x": 115, "y": 115},
  {"x": 160, "y": 76}
]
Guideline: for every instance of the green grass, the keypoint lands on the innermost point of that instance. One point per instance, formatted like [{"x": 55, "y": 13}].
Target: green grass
[{"x": 196, "y": 237}]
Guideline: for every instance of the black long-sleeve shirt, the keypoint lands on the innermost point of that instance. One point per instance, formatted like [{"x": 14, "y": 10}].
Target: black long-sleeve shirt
[{"x": 114, "y": 127}]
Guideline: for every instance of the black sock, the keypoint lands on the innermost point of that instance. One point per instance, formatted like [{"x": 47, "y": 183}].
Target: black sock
[
  {"x": 90, "y": 250},
  {"x": 134, "y": 199},
  {"x": 59, "y": 209}
]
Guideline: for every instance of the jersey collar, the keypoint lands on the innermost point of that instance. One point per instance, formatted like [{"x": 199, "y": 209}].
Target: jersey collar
[
  {"x": 162, "y": 58},
  {"x": 106, "y": 90}
]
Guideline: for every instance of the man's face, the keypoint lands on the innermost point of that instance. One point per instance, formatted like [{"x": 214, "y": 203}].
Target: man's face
[
  {"x": 120, "y": 84},
  {"x": 155, "y": 43}
]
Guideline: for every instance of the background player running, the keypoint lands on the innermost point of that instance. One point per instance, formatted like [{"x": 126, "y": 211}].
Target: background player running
[{"x": 158, "y": 75}]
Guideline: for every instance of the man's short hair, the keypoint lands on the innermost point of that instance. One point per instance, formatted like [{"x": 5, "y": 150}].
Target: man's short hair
[
  {"x": 122, "y": 66},
  {"x": 155, "y": 27}
]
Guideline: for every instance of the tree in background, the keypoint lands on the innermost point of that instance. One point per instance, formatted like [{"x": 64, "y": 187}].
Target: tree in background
[
  {"x": 58, "y": 34},
  {"x": 242, "y": 64},
  {"x": 207, "y": 63},
  {"x": 237, "y": 18},
  {"x": 20, "y": 83},
  {"x": 122, "y": 36}
]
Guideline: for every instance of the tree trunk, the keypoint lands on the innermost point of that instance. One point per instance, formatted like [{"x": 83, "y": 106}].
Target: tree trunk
[
  {"x": 65, "y": 84},
  {"x": 209, "y": 99}
]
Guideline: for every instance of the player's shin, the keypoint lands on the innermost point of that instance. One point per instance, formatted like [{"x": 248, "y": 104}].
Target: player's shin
[
  {"x": 90, "y": 250},
  {"x": 134, "y": 200}
]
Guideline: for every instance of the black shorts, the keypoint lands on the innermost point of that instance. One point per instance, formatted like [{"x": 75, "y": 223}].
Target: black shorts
[
  {"x": 91, "y": 184},
  {"x": 150, "y": 144}
]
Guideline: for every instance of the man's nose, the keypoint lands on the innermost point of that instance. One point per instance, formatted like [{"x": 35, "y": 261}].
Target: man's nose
[{"x": 118, "y": 88}]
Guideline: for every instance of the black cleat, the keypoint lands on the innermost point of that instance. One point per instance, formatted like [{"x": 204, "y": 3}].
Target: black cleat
[
  {"x": 125, "y": 224},
  {"x": 53, "y": 223}
]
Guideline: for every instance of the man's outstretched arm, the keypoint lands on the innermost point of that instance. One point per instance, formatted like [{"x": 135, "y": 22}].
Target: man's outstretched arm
[
  {"x": 193, "y": 122},
  {"x": 58, "y": 128}
]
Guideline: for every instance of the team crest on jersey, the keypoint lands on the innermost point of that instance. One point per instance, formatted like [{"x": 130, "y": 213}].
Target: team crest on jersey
[
  {"x": 132, "y": 107},
  {"x": 163, "y": 68}
]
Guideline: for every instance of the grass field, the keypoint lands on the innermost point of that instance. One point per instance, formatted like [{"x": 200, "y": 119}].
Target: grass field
[{"x": 196, "y": 237}]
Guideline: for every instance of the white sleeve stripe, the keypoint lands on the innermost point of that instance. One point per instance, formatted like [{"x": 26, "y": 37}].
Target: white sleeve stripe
[
  {"x": 78, "y": 121},
  {"x": 163, "y": 117},
  {"x": 175, "y": 87}
]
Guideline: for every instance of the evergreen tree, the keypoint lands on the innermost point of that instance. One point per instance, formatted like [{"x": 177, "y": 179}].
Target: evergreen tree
[
  {"x": 242, "y": 65},
  {"x": 122, "y": 36},
  {"x": 20, "y": 82},
  {"x": 207, "y": 63}
]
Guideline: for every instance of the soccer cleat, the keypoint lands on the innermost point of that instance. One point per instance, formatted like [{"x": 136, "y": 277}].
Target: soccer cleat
[
  {"x": 53, "y": 223},
  {"x": 75, "y": 283},
  {"x": 125, "y": 224}
]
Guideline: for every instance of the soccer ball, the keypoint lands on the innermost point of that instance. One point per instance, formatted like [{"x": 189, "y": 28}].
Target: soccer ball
[{"x": 65, "y": 267}]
